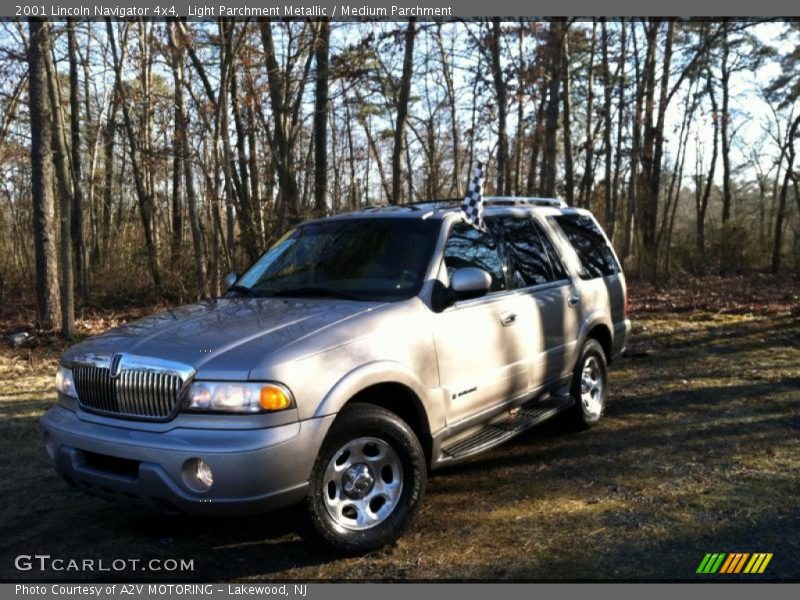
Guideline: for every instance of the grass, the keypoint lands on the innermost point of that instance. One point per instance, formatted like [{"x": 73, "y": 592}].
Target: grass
[{"x": 698, "y": 452}]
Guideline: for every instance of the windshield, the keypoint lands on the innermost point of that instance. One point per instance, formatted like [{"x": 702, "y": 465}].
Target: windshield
[{"x": 358, "y": 259}]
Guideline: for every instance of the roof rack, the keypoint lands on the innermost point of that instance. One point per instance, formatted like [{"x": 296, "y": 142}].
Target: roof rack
[
  {"x": 448, "y": 203},
  {"x": 390, "y": 207},
  {"x": 523, "y": 201}
]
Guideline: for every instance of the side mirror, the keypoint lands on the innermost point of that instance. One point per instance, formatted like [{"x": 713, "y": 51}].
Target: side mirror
[
  {"x": 470, "y": 282},
  {"x": 230, "y": 279}
]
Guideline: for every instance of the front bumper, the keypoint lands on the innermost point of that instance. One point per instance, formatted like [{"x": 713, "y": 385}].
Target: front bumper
[{"x": 254, "y": 469}]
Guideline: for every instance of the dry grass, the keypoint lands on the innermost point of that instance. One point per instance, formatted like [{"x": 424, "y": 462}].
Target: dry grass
[{"x": 699, "y": 452}]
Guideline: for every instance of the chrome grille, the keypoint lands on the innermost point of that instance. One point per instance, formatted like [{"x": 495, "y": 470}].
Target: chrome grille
[{"x": 137, "y": 393}]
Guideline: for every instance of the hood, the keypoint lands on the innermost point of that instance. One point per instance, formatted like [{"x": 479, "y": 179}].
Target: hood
[{"x": 201, "y": 334}]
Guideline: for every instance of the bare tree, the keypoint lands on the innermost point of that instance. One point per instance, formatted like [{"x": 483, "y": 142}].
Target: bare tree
[
  {"x": 79, "y": 243},
  {"x": 503, "y": 185},
  {"x": 321, "y": 50},
  {"x": 555, "y": 43},
  {"x": 48, "y": 303},
  {"x": 183, "y": 152},
  {"x": 144, "y": 198},
  {"x": 788, "y": 178},
  {"x": 64, "y": 179},
  {"x": 402, "y": 111}
]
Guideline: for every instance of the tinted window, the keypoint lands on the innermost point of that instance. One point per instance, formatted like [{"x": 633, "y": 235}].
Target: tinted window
[
  {"x": 369, "y": 258},
  {"x": 469, "y": 247},
  {"x": 587, "y": 239},
  {"x": 559, "y": 271},
  {"x": 528, "y": 261}
]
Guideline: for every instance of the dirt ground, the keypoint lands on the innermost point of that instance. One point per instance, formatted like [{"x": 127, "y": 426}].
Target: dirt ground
[{"x": 698, "y": 452}]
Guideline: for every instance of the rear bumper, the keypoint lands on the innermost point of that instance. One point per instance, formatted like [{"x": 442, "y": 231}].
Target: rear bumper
[
  {"x": 254, "y": 469},
  {"x": 622, "y": 332}
]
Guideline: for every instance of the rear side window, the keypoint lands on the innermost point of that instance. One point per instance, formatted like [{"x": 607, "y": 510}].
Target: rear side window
[
  {"x": 559, "y": 272},
  {"x": 469, "y": 247},
  {"x": 586, "y": 237},
  {"x": 527, "y": 254}
]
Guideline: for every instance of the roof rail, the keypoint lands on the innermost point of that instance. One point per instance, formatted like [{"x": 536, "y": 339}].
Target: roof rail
[
  {"x": 389, "y": 207},
  {"x": 523, "y": 201}
]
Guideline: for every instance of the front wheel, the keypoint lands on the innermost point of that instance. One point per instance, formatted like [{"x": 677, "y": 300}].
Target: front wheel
[
  {"x": 368, "y": 480},
  {"x": 589, "y": 385}
]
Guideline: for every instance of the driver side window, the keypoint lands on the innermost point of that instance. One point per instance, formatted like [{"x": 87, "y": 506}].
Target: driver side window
[{"x": 469, "y": 247}]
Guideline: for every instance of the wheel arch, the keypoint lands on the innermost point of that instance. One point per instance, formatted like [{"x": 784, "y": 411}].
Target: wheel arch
[
  {"x": 602, "y": 334},
  {"x": 389, "y": 386},
  {"x": 599, "y": 329}
]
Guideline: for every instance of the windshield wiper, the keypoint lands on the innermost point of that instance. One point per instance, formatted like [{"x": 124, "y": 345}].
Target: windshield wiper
[{"x": 308, "y": 291}]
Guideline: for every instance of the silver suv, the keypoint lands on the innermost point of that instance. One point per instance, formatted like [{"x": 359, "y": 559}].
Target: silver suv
[{"x": 358, "y": 353}]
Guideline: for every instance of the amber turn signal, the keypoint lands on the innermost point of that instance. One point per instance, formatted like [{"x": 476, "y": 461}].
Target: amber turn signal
[{"x": 274, "y": 398}]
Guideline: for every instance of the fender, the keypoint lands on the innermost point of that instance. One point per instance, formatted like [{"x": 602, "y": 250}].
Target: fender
[
  {"x": 382, "y": 371},
  {"x": 590, "y": 321}
]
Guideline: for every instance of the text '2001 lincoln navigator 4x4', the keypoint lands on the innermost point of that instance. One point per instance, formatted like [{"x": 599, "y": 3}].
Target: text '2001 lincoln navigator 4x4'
[{"x": 355, "y": 355}]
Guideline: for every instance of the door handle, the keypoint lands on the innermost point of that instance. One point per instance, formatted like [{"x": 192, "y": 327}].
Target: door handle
[
  {"x": 573, "y": 300},
  {"x": 508, "y": 319}
]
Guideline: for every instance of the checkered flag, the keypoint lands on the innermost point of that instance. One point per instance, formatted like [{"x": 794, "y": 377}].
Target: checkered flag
[{"x": 472, "y": 206}]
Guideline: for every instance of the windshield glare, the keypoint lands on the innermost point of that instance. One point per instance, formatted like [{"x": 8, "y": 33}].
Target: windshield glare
[{"x": 369, "y": 259}]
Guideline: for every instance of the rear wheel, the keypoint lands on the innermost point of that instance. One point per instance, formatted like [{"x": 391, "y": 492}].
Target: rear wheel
[
  {"x": 589, "y": 386},
  {"x": 368, "y": 480}
]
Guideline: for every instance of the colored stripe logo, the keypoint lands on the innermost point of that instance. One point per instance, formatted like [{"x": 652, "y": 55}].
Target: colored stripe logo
[{"x": 734, "y": 563}]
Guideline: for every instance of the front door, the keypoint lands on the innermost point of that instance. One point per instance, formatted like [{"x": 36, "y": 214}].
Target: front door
[{"x": 480, "y": 343}]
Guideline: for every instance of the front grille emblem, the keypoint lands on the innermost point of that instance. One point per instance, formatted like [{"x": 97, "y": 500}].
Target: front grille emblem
[{"x": 115, "y": 362}]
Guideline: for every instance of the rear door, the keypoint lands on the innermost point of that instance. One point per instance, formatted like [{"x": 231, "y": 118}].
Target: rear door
[
  {"x": 547, "y": 295},
  {"x": 601, "y": 282}
]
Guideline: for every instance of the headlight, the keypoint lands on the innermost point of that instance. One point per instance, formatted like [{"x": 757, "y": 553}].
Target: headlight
[
  {"x": 65, "y": 384},
  {"x": 238, "y": 397}
]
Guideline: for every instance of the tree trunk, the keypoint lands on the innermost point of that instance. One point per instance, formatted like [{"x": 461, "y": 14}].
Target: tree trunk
[
  {"x": 654, "y": 144},
  {"x": 179, "y": 132},
  {"x": 787, "y": 179},
  {"x": 63, "y": 177},
  {"x": 569, "y": 171},
  {"x": 109, "y": 133},
  {"x": 78, "y": 240},
  {"x": 352, "y": 191},
  {"x": 48, "y": 304},
  {"x": 241, "y": 180},
  {"x": 727, "y": 196},
  {"x": 536, "y": 140},
  {"x": 547, "y": 184},
  {"x": 282, "y": 153},
  {"x": 516, "y": 189},
  {"x": 321, "y": 50},
  {"x": 636, "y": 152},
  {"x": 702, "y": 207},
  {"x": 402, "y": 112},
  {"x": 611, "y": 224},
  {"x": 502, "y": 186},
  {"x": 183, "y": 150},
  {"x": 457, "y": 186},
  {"x": 585, "y": 192},
  {"x": 256, "y": 201},
  {"x": 144, "y": 200},
  {"x": 607, "y": 90}
]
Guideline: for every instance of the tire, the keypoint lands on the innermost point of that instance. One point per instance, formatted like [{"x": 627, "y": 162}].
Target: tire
[
  {"x": 368, "y": 480},
  {"x": 590, "y": 394}
]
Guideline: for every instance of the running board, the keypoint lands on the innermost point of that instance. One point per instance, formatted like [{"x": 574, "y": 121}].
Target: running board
[{"x": 497, "y": 432}]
